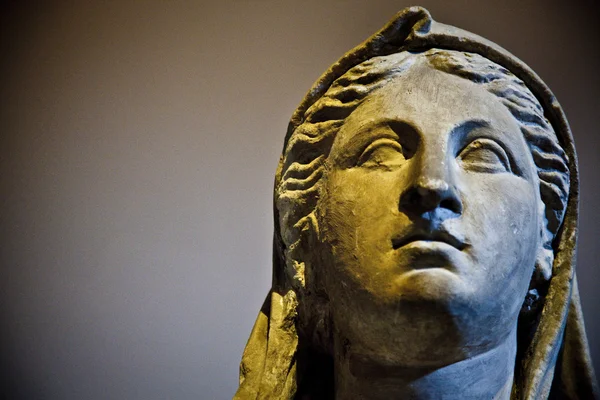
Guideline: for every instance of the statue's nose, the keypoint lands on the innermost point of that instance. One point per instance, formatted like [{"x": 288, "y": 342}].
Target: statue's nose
[{"x": 431, "y": 187}]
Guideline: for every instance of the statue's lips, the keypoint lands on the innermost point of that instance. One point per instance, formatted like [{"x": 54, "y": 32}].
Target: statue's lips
[
  {"x": 429, "y": 251},
  {"x": 426, "y": 238}
]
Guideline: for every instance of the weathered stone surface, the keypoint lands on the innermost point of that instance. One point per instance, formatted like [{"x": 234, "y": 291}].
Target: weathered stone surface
[{"x": 426, "y": 221}]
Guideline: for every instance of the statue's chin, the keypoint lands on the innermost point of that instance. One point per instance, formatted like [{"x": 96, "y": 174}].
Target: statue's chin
[
  {"x": 428, "y": 317},
  {"x": 432, "y": 284}
]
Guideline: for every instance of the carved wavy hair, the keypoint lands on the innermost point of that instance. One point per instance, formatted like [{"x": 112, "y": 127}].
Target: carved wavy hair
[{"x": 298, "y": 192}]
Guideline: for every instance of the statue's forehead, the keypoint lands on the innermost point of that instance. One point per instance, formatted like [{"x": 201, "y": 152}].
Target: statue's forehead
[{"x": 431, "y": 99}]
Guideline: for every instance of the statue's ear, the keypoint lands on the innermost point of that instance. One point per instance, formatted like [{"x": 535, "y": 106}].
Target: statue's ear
[
  {"x": 538, "y": 285},
  {"x": 545, "y": 253},
  {"x": 543, "y": 263}
]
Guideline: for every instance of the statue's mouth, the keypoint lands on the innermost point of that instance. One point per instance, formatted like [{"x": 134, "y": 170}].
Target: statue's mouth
[{"x": 432, "y": 236}]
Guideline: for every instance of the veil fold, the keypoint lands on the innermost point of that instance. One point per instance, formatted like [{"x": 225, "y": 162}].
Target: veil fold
[{"x": 556, "y": 362}]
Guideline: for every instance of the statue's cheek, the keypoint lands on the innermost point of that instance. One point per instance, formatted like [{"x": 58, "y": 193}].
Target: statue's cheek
[{"x": 501, "y": 218}]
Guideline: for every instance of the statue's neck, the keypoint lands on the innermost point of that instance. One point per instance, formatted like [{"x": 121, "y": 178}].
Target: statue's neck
[{"x": 486, "y": 376}]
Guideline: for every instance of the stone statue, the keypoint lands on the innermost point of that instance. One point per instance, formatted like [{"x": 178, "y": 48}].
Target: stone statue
[{"x": 426, "y": 220}]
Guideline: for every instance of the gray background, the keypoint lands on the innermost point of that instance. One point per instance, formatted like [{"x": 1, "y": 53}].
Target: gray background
[{"x": 138, "y": 146}]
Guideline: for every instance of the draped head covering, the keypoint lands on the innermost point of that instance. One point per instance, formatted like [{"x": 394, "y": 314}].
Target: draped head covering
[{"x": 553, "y": 360}]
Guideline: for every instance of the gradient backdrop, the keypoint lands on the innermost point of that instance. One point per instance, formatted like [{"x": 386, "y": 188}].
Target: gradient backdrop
[{"x": 138, "y": 147}]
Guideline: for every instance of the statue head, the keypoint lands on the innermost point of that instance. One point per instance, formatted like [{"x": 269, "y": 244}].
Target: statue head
[
  {"x": 417, "y": 199},
  {"x": 425, "y": 207}
]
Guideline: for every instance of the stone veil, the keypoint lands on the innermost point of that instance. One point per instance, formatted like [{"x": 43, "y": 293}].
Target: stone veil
[{"x": 284, "y": 359}]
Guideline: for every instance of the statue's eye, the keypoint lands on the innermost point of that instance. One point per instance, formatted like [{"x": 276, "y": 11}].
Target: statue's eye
[
  {"x": 382, "y": 152},
  {"x": 484, "y": 155}
]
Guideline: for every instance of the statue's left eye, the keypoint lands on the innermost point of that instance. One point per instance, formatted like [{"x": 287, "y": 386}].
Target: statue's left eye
[
  {"x": 382, "y": 152},
  {"x": 484, "y": 155}
]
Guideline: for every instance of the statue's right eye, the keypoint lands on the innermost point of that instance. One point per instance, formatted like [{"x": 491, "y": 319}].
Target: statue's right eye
[{"x": 382, "y": 152}]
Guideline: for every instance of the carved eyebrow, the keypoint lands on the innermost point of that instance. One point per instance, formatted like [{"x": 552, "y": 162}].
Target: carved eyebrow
[
  {"x": 408, "y": 134},
  {"x": 371, "y": 131},
  {"x": 409, "y": 138},
  {"x": 465, "y": 127}
]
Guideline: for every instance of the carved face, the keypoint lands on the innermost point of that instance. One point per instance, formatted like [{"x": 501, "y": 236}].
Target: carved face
[{"x": 429, "y": 221}]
